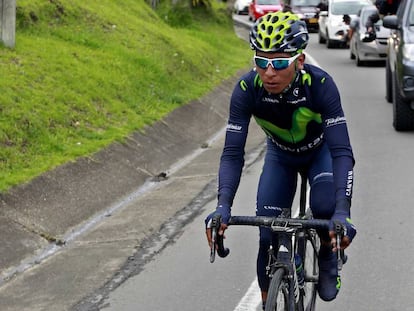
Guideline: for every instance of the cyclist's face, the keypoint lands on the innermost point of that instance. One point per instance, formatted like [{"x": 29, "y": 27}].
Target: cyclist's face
[{"x": 276, "y": 80}]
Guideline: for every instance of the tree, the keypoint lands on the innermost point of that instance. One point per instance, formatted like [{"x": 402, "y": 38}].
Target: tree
[{"x": 8, "y": 22}]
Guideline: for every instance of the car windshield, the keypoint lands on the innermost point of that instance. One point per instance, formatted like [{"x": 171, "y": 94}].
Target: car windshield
[
  {"x": 346, "y": 7},
  {"x": 304, "y": 2},
  {"x": 268, "y": 2}
]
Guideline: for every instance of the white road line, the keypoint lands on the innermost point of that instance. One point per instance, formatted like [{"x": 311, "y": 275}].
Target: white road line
[{"x": 251, "y": 300}]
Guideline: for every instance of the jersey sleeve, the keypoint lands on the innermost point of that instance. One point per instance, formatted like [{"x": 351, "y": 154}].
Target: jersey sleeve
[
  {"x": 232, "y": 158},
  {"x": 337, "y": 137}
]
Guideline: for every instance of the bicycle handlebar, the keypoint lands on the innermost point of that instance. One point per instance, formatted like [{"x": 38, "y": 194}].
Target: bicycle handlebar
[
  {"x": 273, "y": 222},
  {"x": 268, "y": 221}
]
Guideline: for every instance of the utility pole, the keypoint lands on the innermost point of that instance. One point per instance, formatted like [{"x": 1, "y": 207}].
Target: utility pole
[{"x": 8, "y": 22}]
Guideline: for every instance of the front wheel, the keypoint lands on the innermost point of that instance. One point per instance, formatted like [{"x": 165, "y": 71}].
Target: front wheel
[
  {"x": 322, "y": 40},
  {"x": 278, "y": 293},
  {"x": 311, "y": 268}
]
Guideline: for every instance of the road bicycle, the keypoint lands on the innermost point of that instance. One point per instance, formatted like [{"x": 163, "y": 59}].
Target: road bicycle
[{"x": 293, "y": 284}]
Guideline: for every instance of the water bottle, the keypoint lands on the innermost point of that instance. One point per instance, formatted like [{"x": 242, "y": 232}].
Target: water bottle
[{"x": 299, "y": 270}]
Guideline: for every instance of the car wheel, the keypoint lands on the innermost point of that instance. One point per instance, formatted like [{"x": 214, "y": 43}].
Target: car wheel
[
  {"x": 351, "y": 53},
  {"x": 359, "y": 62},
  {"x": 329, "y": 43},
  {"x": 403, "y": 115},
  {"x": 388, "y": 82},
  {"x": 321, "y": 38}
]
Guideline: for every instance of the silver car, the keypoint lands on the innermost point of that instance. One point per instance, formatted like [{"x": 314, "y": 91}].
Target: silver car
[{"x": 362, "y": 48}]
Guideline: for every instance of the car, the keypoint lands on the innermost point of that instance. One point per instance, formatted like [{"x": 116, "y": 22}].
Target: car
[
  {"x": 258, "y": 8},
  {"x": 241, "y": 6},
  {"x": 332, "y": 28},
  {"x": 306, "y": 10},
  {"x": 399, "y": 66},
  {"x": 364, "y": 49}
]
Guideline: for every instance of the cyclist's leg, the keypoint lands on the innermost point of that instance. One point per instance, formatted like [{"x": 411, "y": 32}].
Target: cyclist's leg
[
  {"x": 277, "y": 186},
  {"x": 322, "y": 187},
  {"x": 322, "y": 203}
]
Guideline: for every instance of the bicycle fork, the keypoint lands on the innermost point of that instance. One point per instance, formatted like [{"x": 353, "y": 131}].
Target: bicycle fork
[{"x": 285, "y": 259}]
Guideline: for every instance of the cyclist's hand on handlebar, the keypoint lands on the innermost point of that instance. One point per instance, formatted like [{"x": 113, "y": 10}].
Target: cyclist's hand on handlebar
[
  {"x": 348, "y": 228},
  {"x": 342, "y": 217},
  {"x": 225, "y": 213}
]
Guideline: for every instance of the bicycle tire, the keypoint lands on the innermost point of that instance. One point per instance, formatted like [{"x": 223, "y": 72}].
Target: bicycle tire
[
  {"x": 310, "y": 263},
  {"x": 278, "y": 293}
]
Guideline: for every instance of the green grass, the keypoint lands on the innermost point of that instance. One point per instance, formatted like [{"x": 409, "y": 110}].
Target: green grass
[{"x": 84, "y": 74}]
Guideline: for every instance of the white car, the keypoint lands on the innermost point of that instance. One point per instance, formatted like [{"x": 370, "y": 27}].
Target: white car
[
  {"x": 363, "y": 49},
  {"x": 241, "y": 6},
  {"x": 332, "y": 28}
]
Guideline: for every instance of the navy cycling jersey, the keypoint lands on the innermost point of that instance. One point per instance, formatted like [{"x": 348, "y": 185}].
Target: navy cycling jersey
[{"x": 296, "y": 121}]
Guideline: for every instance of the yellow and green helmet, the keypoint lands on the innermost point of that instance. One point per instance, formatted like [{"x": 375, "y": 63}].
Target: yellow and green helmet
[{"x": 279, "y": 32}]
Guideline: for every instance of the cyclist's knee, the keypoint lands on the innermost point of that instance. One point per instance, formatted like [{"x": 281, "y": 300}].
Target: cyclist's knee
[{"x": 322, "y": 198}]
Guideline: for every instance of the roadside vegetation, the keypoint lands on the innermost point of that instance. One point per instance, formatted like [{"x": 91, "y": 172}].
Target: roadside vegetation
[{"x": 84, "y": 74}]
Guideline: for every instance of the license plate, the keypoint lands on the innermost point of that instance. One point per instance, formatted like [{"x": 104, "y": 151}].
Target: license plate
[{"x": 313, "y": 20}]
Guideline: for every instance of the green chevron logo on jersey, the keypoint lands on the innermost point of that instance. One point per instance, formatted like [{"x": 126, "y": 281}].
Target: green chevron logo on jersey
[{"x": 300, "y": 120}]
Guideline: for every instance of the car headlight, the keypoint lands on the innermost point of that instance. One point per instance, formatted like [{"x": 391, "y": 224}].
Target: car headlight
[{"x": 408, "y": 52}]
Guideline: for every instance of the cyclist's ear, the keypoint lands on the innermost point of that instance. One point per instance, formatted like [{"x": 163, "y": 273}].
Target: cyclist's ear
[{"x": 300, "y": 61}]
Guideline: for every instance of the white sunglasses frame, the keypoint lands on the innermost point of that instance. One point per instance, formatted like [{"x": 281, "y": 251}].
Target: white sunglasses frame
[{"x": 271, "y": 60}]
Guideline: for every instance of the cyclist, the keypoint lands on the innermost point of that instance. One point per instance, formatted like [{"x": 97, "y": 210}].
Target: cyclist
[{"x": 299, "y": 108}]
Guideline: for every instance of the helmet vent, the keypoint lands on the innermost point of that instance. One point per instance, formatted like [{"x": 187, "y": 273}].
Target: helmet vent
[
  {"x": 269, "y": 30},
  {"x": 268, "y": 17},
  {"x": 267, "y": 43}
]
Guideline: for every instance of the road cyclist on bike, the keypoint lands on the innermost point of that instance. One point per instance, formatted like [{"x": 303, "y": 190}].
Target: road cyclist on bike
[{"x": 298, "y": 106}]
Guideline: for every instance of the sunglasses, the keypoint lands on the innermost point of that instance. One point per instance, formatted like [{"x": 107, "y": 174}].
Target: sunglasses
[{"x": 276, "y": 63}]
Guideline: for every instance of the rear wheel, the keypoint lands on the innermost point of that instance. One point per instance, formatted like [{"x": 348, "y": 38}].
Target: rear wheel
[
  {"x": 403, "y": 115},
  {"x": 278, "y": 293}
]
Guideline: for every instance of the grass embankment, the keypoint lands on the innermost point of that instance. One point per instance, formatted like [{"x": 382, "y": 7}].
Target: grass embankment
[{"x": 84, "y": 74}]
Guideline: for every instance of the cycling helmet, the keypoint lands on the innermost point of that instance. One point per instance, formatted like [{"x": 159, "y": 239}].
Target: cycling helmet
[{"x": 279, "y": 32}]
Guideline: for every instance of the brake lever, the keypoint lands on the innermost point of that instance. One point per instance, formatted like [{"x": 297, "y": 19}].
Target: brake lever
[
  {"x": 340, "y": 231},
  {"x": 214, "y": 232},
  {"x": 217, "y": 240}
]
